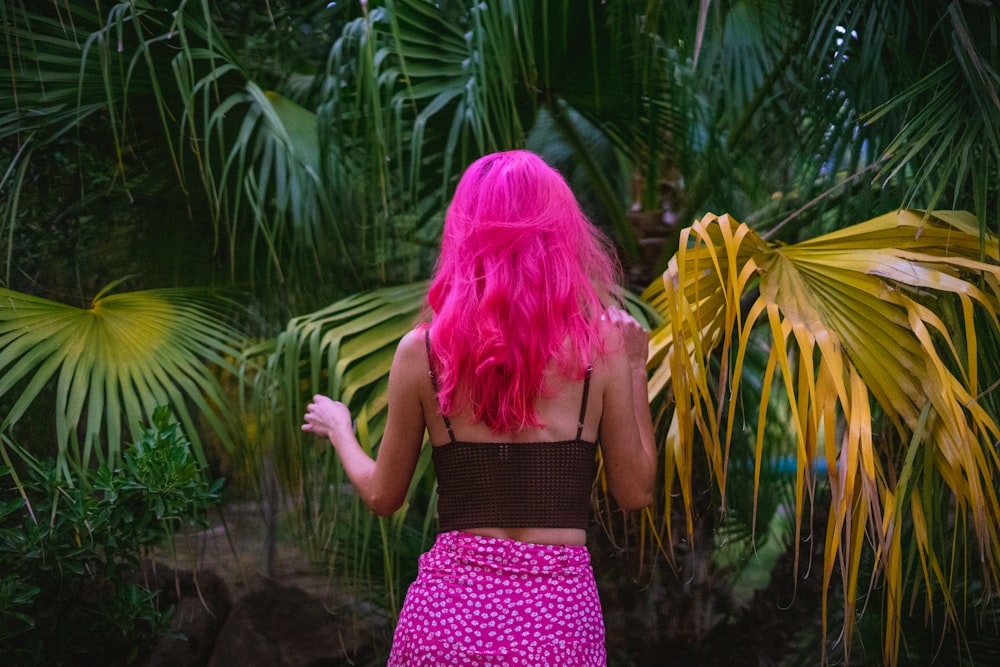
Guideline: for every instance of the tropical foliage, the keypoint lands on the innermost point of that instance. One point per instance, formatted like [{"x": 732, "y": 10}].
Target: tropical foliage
[
  {"x": 880, "y": 315},
  {"x": 304, "y": 152},
  {"x": 115, "y": 362},
  {"x": 70, "y": 554}
]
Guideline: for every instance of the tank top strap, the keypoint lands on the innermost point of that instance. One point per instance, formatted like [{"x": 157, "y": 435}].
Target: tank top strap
[
  {"x": 583, "y": 403},
  {"x": 434, "y": 383}
]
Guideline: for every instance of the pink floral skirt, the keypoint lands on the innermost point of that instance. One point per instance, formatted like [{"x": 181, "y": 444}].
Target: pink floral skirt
[{"x": 486, "y": 601}]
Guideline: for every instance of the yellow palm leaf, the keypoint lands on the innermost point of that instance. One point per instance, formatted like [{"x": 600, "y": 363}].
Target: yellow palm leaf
[{"x": 879, "y": 312}]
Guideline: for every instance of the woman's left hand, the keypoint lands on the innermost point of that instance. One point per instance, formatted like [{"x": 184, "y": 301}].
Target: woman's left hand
[
  {"x": 635, "y": 336},
  {"x": 328, "y": 419}
]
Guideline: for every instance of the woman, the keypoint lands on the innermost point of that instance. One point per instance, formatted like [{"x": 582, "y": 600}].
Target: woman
[{"x": 525, "y": 365}]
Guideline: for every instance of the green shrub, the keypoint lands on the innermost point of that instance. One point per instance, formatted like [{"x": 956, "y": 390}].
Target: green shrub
[{"x": 72, "y": 591}]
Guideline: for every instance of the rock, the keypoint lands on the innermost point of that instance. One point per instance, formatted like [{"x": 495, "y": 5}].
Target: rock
[
  {"x": 202, "y": 604},
  {"x": 275, "y": 625}
]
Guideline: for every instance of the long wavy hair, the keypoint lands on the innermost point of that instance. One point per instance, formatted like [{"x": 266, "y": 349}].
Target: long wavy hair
[{"x": 521, "y": 282}]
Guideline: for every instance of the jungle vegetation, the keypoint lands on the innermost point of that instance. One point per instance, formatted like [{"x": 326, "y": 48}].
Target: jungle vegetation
[{"x": 226, "y": 206}]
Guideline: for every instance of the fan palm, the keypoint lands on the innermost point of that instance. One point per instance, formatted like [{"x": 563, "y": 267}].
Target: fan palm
[
  {"x": 113, "y": 364},
  {"x": 880, "y": 314}
]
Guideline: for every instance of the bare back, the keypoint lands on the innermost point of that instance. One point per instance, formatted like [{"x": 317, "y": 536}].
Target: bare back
[{"x": 559, "y": 413}]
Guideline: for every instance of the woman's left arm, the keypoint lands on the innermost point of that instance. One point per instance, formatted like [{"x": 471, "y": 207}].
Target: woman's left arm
[{"x": 381, "y": 483}]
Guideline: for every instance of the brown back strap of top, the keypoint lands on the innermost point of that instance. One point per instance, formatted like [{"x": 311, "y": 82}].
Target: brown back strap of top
[
  {"x": 583, "y": 403},
  {"x": 434, "y": 382}
]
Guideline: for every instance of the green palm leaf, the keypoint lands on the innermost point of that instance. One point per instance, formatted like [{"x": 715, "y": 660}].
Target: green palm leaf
[
  {"x": 114, "y": 363},
  {"x": 856, "y": 317},
  {"x": 470, "y": 80},
  {"x": 344, "y": 350}
]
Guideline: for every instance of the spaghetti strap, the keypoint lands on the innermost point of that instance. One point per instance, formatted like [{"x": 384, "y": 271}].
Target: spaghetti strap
[
  {"x": 583, "y": 403},
  {"x": 434, "y": 383}
]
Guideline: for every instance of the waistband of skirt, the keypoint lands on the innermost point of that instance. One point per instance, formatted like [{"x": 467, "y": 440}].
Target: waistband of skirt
[{"x": 509, "y": 553}]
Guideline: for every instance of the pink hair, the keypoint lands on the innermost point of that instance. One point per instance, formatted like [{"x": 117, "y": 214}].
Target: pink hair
[{"x": 521, "y": 281}]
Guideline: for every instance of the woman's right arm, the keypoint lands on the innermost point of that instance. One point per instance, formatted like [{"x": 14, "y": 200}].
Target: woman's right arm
[
  {"x": 627, "y": 443},
  {"x": 381, "y": 482}
]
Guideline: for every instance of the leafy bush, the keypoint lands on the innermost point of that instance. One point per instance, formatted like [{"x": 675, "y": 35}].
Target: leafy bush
[{"x": 72, "y": 592}]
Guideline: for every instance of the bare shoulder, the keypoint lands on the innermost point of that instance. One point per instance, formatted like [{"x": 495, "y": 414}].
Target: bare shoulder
[
  {"x": 411, "y": 353},
  {"x": 613, "y": 342},
  {"x": 413, "y": 342}
]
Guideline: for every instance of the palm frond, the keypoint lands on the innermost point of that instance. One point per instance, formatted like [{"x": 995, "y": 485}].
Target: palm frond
[
  {"x": 344, "y": 350},
  {"x": 113, "y": 363},
  {"x": 928, "y": 112},
  {"x": 856, "y": 318},
  {"x": 480, "y": 80}
]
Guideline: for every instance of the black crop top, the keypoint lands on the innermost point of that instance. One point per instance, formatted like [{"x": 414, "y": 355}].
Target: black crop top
[{"x": 514, "y": 485}]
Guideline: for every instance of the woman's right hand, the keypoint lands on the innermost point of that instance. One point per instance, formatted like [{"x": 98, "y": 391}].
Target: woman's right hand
[{"x": 328, "y": 419}]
